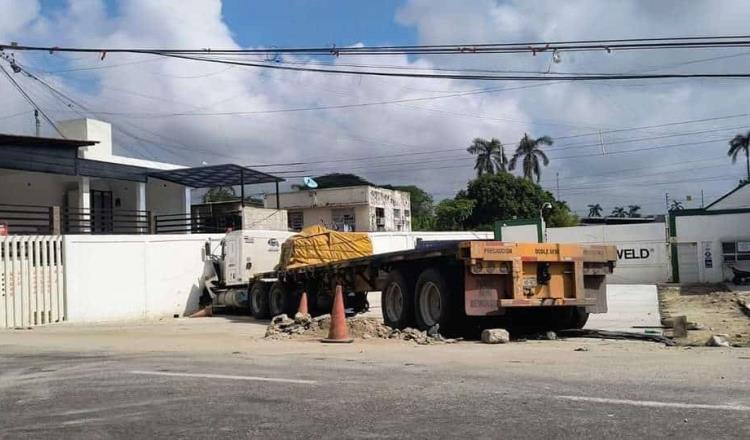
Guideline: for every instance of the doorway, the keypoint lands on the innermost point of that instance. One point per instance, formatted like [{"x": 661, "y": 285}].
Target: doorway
[
  {"x": 102, "y": 221},
  {"x": 687, "y": 262}
]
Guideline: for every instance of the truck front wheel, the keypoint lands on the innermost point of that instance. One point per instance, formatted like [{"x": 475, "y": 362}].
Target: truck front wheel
[
  {"x": 432, "y": 300},
  {"x": 259, "y": 300},
  {"x": 397, "y": 301}
]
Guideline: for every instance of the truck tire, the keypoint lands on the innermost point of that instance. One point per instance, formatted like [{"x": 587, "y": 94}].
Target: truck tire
[
  {"x": 278, "y": 299},
  {"x": 259, "y": 300},
  {"x": 579, "y": 318},
  {"x": 397, "y": 301},
  {"x": 433, "y": 301}
]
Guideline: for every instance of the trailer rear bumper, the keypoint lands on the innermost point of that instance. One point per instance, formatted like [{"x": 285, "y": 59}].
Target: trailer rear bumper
[
  {"x": 499, "y": 276},
  {"x": 482, "y": 304}
]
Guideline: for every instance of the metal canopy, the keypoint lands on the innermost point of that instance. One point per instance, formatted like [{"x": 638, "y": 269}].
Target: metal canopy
[
  {"x": 36, "y": 141},
  {"x": 215, "y": 175}
]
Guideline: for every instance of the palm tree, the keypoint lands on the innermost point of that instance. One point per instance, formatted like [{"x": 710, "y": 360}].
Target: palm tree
[
  {"x": 619, "y": 211},
  {"x": 530, "y": 152},
  {"x": 633, "y": 211},
  {"x": 738, "y": 144},
  {"x": 595, "y": 210},
  {"x": 491, "y": 157},
  {"x": 676, "y": 205}
]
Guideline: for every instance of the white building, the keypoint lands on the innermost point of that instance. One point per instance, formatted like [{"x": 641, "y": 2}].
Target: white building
[
  {"x": 707, "y": 243},
  {"x": 353, "y": 208},
  {"x": 78, "y": 185}
]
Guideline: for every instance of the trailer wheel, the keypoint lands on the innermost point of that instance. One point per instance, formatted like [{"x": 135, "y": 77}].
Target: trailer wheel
[
  {"x": 397, "y": 301},
  {"x": 432, "y": 300},
  {"x": 259, "y": 300},
  {"x": 277, "y": 299},
  {"x": 579, "y": 318}
]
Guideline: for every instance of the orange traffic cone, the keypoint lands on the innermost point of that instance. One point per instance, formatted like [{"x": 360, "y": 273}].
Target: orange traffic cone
[
  {"x": 205, "y": 312},
  {"x": 338, "y": 332},
  {"x": 303, "y": 304}
]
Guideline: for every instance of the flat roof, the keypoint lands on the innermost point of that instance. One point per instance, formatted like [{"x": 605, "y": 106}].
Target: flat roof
[
  {"x": 215, "y": 175},
  {"x": 23, "y": 140}
]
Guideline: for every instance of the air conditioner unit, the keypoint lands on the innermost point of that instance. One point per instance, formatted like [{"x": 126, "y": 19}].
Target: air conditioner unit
[{"x": 380, "y": 222}]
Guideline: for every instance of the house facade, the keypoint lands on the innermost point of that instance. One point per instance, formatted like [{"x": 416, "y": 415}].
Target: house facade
[
  {"x": 355, "y": 208},
  {"x": 78, "y": 185}
]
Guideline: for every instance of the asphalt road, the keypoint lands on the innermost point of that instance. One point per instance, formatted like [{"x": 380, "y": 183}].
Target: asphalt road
[{"x": 249, "y": 388}]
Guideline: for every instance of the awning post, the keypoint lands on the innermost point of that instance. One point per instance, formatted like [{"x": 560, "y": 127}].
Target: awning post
[
  {"x": 242, "y": 187},
  {"x": 278, "y": 204}
]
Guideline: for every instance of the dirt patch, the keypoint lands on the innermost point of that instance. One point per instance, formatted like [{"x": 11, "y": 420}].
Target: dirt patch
[
  {"x": 710, "y": 313},
  {"x": 306, "y": 327}
]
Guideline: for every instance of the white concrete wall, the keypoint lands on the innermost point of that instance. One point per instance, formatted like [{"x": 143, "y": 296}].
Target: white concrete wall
[
  {"x": 643, "y": 256},
  {"x": 383, "y": 242},
  {"x": 708, "y": 232},
  {"x": 164, "y": 197},
  {"x": 261, "y": 218},
  {"x": 319, "y": 198},
  {"x": 642, "y": 252},
  {"x": 317, "y": 205},
  {"x": 29, "y": 188},
  {"x": 92, "y": 130},
  {"x": 521, "y": 233},
  {"x": 119, "y": 278},
  {"x": 389, "y": 200}
]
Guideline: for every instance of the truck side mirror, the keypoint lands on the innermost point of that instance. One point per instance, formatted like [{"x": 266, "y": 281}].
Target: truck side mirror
[{"x": 206, "y": 250}]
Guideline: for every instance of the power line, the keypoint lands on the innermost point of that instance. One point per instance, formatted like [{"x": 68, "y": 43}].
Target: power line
[
  {"x": 30, "y": 100},
  {"x": 533, "y": 47},
  {"x": 471, "y": 77}
]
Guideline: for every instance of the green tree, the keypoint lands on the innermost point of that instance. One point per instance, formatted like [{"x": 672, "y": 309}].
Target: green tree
[
  {"x": 676, "y": 205},
  {"x": 530, "y": 154},
  {"x": 595, "y": 210},
  {"x": 634, "y": 211},
  {"x": 490, "y": 154},
  {"x": 619, "y": 211},
  {"x": 422, "y": 208},
  {"x": 739, "y": 144},
  {"x": 561, "y": 216},
  {"x": 451, "y": 214},
  {"x": 505, "y": 196},
  {"x": 220, "y": 194}
]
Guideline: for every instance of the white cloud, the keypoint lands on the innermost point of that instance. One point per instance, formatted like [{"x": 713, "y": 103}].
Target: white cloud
[{"x": 158, "y": 86}]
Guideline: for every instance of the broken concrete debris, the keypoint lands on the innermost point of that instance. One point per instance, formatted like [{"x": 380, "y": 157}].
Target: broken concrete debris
[
  {"x": 495, "y": 336},
  {"x": 718, "y": 341},
  {"x": 283, "y": 327}
]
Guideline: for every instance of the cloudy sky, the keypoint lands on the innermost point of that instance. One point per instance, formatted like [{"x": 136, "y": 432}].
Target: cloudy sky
[{"x": 606, "y": 149}]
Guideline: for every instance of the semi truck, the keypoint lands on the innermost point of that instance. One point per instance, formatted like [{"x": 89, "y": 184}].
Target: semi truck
[{"x": 449, "y": 283}]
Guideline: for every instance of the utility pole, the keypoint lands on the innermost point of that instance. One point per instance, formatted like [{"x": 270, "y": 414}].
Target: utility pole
[
  {"x": 701, "y": 198},
  {"x": 557, "y": 178},
  {"x": 666, "y": 200},
  {"x": 37, "y": 123}
]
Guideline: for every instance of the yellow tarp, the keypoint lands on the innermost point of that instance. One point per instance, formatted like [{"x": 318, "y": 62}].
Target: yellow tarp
[{"x": 316, "y": 244}]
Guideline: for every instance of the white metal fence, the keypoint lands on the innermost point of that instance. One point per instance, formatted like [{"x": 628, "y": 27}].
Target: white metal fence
[{"x": 32, "y": 287}]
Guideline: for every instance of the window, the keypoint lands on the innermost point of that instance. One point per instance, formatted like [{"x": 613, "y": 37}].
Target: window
[
  {"x": 343, "y": 219},
  {"x": 397, "y": 219},
  {"x": 380, "y": 219},
  {"x": 296, "y": 220},
  {"x": 736, "y": 250}
]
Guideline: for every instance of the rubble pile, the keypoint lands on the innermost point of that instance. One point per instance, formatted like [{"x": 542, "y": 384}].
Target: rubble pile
[{"x": 303, "y": 325}]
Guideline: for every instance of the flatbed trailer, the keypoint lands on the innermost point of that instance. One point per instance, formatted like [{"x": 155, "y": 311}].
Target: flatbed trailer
[{"x": 449, "y": 283}]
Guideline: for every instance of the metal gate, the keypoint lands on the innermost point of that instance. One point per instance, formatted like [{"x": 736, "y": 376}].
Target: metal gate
[{"x": 32, "y": 288}]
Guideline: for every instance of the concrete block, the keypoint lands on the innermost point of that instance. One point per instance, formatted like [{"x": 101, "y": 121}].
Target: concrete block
[{"x": 495, "y": 336}]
